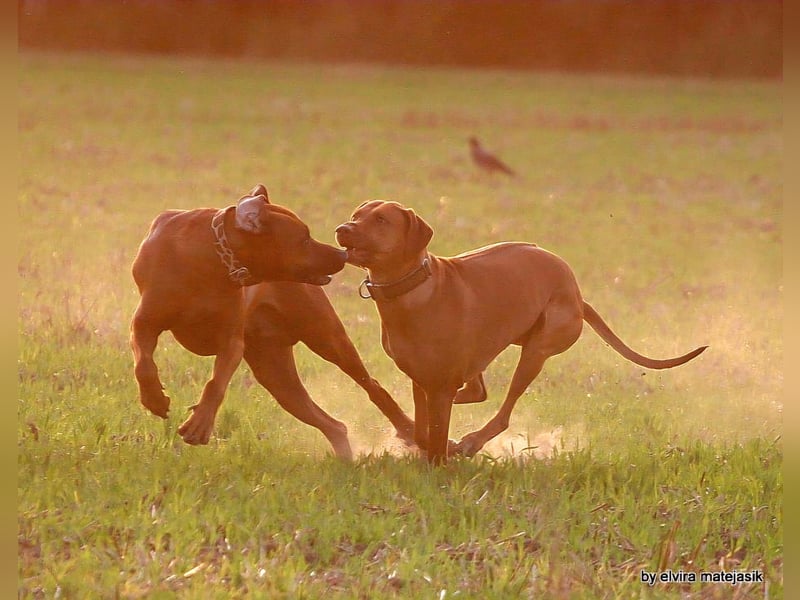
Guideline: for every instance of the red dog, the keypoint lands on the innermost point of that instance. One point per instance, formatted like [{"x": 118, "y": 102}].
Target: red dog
[
  {"x": 191, "y": 270},
  {"x": 443, "y": 320}
]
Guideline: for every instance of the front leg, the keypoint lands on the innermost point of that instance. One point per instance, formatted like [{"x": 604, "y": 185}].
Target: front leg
[
  {"x": 198, "y": 427},
  {"x": 420, "y": 416},
  {"x": 144, "y": 337},
  {"x": 337, "y": 348},
  {"x": 421, "y": 422},
  {"x": 439, "y": 406}
]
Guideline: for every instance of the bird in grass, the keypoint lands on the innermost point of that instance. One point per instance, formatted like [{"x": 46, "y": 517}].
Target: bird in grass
[{"x": 486, "y": 160}]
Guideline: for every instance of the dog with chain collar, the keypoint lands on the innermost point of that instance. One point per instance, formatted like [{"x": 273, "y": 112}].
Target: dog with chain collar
[{"x": 191, "y": 271}]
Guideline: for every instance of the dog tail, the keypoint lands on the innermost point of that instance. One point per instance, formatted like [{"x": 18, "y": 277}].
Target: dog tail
[{"x": 604, "y": 331}]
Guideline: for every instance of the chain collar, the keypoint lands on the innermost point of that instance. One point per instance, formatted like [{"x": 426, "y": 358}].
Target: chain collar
[{"x": 237, "y": 272}]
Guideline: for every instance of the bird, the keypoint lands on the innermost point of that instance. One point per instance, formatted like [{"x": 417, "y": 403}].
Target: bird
[{"x": 486, "y": 160}]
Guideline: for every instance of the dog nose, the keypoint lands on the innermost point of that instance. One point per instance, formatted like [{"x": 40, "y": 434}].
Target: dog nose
[{"x": 342, "y": 227}]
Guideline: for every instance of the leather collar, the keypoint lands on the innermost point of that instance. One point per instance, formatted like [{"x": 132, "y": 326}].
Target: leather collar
[
  {"x": 395, "y": 289},
  {"x": 237, "y": 272}
]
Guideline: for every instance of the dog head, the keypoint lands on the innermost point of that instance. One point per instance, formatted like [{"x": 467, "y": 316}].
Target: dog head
[
  {"x": 383, "y": 234},
  {"x": 277, "y": 246}
]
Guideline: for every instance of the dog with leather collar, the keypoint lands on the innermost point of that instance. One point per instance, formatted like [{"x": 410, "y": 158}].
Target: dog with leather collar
[{"x": 446, "y": 328}]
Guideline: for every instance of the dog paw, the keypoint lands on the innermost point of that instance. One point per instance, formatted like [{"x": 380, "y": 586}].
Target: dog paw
[
  {"x": 196, "y": 430},
  {"x": 158, "y": 404},
  {"x": 343, "y": 451},
  {"x": 453, "y": 448},
  {"x": 469, "y": 445}
]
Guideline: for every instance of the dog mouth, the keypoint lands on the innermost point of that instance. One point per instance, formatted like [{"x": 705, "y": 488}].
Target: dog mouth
[
  {"x": 357, "y": 254},
  {"x": 354, "y": 256}
]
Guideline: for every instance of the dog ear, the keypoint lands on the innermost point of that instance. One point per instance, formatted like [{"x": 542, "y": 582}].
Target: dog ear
[
  {"x": 418, "y": 236},
  {"x": 248, "y": 213},
  {"x": 260, "y": 190}
]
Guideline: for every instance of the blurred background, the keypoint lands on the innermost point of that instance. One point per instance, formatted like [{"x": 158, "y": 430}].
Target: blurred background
[{"x": 721, "y": 39}]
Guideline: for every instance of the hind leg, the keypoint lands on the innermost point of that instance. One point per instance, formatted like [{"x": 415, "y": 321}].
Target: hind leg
[
  {"x": 472, "y": 391},
  {"x": 274, "y": 367},
  {"x": 530, "y": 365},
  {"x": 556, "y": 331},
  {"x": 343, "y": 354}
]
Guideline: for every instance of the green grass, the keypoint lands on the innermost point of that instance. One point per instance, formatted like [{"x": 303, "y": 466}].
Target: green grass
[{"x": 664, "y": 196}]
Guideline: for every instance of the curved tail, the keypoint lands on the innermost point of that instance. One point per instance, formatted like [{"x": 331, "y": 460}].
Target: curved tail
[{"x": 604, "y": 331}]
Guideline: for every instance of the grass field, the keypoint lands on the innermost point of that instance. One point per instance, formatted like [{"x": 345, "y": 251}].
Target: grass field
[{"x": 664, "y": 196}]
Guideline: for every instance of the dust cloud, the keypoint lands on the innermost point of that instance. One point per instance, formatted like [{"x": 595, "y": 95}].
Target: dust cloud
[{"x": 517, "y": 445}]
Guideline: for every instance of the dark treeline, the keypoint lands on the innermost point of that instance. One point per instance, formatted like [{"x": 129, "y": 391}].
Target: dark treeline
[{"x": 716, "y": 38}]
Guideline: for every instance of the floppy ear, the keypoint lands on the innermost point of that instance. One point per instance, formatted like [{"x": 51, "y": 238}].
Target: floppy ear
[
  {"x": 260, "y": 190},
  {"x": 248, "y": 213},
  {"x": 418, "y": 234}
]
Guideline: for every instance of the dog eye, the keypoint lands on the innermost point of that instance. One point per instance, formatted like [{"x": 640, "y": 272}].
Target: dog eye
[{"x": 380, "y": 219}]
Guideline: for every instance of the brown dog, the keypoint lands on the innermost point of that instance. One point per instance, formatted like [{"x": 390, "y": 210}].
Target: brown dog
[
  {"x": 190, "y": 270},
  {"x": 443, "y": 320}
]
